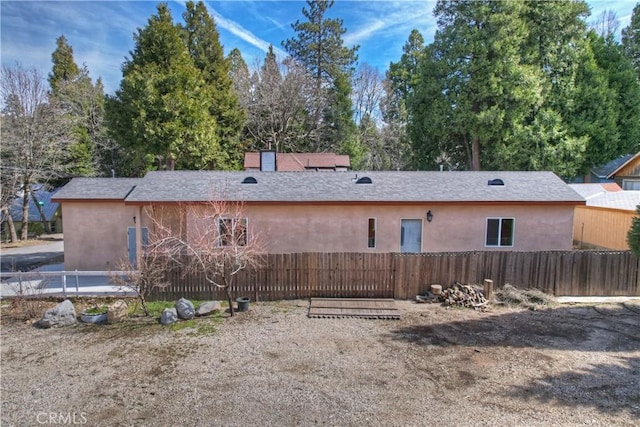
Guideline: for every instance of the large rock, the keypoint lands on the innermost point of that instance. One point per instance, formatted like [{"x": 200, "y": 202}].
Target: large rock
[
  {"x": 185, "y": 308},
  {"x": 169, "y": 316},
  {"x": 63, "y": 314},
  {"x": 117, "y": 312},
  {"x": 208, "y": 307}
]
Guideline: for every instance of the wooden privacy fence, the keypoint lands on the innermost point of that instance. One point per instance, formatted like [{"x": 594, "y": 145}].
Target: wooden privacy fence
[{"x": 402, "y": 276}]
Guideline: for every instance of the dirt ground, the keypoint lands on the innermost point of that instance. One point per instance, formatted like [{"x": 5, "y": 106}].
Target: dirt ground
[{"x": 274, "y": 366}]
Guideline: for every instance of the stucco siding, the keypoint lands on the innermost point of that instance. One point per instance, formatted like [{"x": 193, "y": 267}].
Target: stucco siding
[
  {"x": 343, "y": 228},
  {"x": 95, "y": 234}
]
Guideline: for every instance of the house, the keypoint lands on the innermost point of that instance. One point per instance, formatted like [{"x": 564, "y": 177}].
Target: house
[
  {"x": 271, "y": 161},
  {"x": 625, "y": 171},
  {"x": 50, "y": 210},
  {"x": 606, "y": 218},
  {"x": 330, "y": 212}
]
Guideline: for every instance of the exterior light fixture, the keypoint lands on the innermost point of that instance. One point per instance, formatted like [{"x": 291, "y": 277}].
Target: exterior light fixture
[{"x": 429, "y": 216}]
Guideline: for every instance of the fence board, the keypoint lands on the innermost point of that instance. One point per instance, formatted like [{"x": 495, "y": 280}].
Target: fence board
[{"x": 402, "y": 276}]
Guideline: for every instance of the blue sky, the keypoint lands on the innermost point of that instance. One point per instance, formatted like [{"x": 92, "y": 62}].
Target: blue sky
[{"x": 101, "y": 32}]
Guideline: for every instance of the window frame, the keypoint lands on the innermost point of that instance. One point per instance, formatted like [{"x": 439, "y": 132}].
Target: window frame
[
  {"x": 628, "y": 184},
  {"x": 499, "y": 235},
  {"x": 223, "y": 237},
  {"x": 371, "y": 241}
]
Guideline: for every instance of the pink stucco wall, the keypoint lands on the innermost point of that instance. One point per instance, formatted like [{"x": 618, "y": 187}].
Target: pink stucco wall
[
  {"x": 326, "y": 228},
  {"x": 96, "y": 239},
  {"x": 95, "y": 234}
]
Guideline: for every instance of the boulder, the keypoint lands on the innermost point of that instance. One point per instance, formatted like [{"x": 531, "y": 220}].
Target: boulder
[
  {"x": 169, "y": 316},
  {"x": 63, "y": 314},
  {"x": 117, "y": 312},
  {"x": 208, "y": 307},
  {"x": 185, "y": 308}
]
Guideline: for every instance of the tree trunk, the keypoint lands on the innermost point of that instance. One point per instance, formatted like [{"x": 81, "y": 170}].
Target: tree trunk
[
  {"x": 228, "y": 291},
  {"x": 47, "y": 225},
  {"x": 475, "y": 154},
  {"x": 12, "y": 228},
  {"x": 24, "y": 233}
]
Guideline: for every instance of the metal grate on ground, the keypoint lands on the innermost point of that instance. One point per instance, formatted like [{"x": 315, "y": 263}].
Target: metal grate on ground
[{"x": 367, "y": 308}]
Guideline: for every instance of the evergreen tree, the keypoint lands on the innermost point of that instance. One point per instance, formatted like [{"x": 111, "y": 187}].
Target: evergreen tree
[
  {"x": 76, "y": 94},
  {"x": 202, "y": 40},
  {"x": 240, "y": 77},
  {"x": 342, "y": 133},
  {"x": 64, "y": 67},
  {"x": 161, "y": 112},
  {"x": 625, "y": 85},
  {"x": 473, "y": 84},
  {"x": 402, "y": 74},
  {"x": 631, "y": 39},
  {"x": 318, "y": 45},
  {"x": 633, "y": 236}
]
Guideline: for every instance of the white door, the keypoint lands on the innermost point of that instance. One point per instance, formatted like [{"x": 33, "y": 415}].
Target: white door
[{"x": 411, "y": 235}]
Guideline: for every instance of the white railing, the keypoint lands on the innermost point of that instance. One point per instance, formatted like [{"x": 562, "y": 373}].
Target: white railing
[{"x": 62, "y": 283}]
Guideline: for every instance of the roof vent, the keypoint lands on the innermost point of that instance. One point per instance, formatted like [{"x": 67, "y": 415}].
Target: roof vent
[
  {"x": 364, "y": 180},
  {"x": 496, "y": 181},
  {"x": 249, "y": 180}
]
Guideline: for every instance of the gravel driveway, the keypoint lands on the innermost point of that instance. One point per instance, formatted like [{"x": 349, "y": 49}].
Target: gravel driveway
[{"x": 274, "y": 366}]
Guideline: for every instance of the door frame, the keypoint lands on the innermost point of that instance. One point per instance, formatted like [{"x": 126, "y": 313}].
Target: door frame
[{"x": 421, "y": 234}]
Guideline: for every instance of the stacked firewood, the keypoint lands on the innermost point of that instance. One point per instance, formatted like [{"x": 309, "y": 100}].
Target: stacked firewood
[
  {"x": 458, "y": 294},
  {"x": 464, "y": 296}
]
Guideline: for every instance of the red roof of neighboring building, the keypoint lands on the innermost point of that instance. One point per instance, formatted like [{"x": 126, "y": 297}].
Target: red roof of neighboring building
[{"x": 292, "y": 162}]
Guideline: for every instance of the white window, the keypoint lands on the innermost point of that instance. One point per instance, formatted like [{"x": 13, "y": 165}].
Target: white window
[
  {"x": 500, "y": 232},
  {"x": 232, "y": 231}
]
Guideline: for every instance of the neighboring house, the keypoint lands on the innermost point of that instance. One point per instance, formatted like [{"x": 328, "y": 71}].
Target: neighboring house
[
  {"x": 330, "y": 212},
  {"x": 625, "y": 171},
  {"x": 606, "y": 218},
  {"x": 271, "y": 161},
  {"x": 51, "y": 211}
]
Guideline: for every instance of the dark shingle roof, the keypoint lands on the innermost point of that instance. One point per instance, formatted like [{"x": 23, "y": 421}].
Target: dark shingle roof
[
  {"x": 96, "y": 189},
  {"x": 44, "y": 198},
  {"x": 612, "y": 167},
  {"x": 401, "y": 187}
]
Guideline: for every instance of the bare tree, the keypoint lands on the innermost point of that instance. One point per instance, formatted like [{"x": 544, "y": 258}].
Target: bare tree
[
  {"x": 278, "y": 112},
  {"x": 143, "y": 278},
  {"x": 35, "y": 132},
  {"x": 9, "y": 187},
  {"x": 213, "y": 239},
  {"x": 606, "y": 24},
  {"x": 368, "y": 91}
]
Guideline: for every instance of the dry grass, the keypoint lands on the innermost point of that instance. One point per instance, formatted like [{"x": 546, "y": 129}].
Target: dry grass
[{"x": 532, "y": 299}]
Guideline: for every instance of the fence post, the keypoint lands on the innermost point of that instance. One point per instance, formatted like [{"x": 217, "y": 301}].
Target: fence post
[
  {"x": 64, "y": 284},
  {"x": 488, "y": 289},
  {"x": 77, "y": 290}
]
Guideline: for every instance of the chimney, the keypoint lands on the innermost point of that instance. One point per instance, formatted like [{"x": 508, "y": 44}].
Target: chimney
[{"x": 268, "y": 160}]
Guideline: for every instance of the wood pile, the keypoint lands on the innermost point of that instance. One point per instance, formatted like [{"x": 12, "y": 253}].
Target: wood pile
[{"x": 458, "y": 294}]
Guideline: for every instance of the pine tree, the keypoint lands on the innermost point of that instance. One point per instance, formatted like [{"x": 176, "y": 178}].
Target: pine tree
[
  {"x": 161, "y": 112},
  {"x": 73, "y": 89},
  {"x": 631, "y": 39},
  {"x": 202, "y": 40},
  {"x": 64, "y": 67},
  {"x": 318, "y": 45}
]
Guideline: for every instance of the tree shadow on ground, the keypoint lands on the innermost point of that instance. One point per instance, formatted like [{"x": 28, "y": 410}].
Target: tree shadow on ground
[
  {"x": 606, "y": 386},
  {"x": 611, "y": 388},
  {"x": 608, "y": 328}
]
